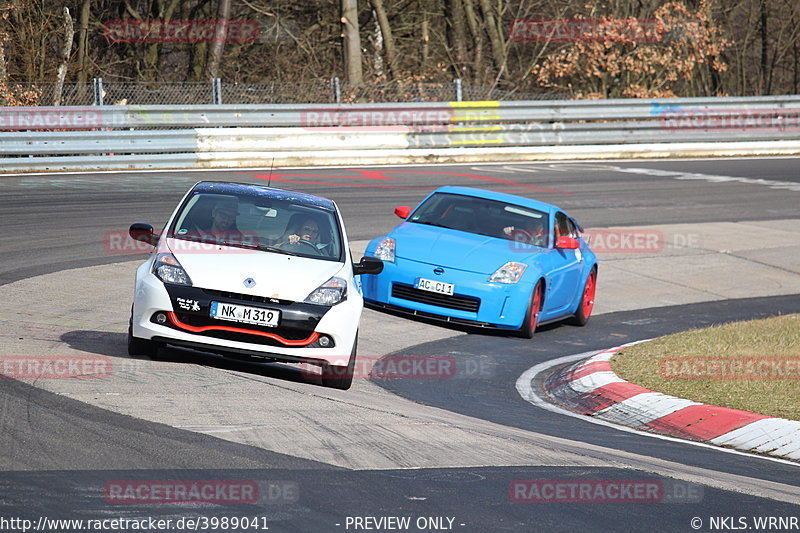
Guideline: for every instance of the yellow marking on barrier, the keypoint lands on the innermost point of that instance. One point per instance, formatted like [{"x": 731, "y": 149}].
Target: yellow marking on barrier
[
  {"x": 476, "y": 103},
  {"x": 479, "y": 111},
  {"x": 477, "y": 142},
  {"x": 496, "y": 127}
]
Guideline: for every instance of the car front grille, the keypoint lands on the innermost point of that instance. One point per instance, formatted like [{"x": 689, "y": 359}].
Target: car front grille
[
  {"x": 456, "y": 301},
  {"x": 245, "y": 297},
  {"x": 291, "y": 334}
]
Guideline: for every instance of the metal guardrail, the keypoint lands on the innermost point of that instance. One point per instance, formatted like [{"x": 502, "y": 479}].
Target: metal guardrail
[{"x": 179, "y": 133}]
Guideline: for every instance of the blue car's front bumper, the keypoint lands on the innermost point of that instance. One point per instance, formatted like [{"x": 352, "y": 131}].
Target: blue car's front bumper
[{"x": 499, "y": 305}]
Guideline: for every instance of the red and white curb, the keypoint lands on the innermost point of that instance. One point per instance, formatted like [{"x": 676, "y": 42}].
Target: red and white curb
[{"x": 590, "y": 387}]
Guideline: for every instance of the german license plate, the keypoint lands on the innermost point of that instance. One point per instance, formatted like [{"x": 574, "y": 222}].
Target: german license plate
[
  {"x": 435, "y": 286},
  {"x": 245, "y": 314}
]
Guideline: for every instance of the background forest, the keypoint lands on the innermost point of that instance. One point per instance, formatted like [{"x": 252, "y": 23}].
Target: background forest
[{"x": 633, "y": 48}]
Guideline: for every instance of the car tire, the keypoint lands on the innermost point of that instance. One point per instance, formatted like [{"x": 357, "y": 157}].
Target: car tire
[
  {"x": 586, "y": 305},
  {"x": 532, "y": 314},
  {"x": 340, "y": 377},
  {"x": 137, "y": 346}
]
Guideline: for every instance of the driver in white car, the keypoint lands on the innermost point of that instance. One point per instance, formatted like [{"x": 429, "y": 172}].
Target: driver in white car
[{"x": 307, "y": 231}]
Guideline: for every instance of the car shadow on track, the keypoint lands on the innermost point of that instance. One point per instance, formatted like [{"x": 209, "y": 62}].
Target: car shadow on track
[
  {"x": 464, "y": 328},
  {"x": 115, "y": 345}
]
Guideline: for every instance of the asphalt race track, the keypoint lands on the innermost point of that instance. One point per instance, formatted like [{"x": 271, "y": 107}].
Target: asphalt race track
[{"x": 448, "y": 454}]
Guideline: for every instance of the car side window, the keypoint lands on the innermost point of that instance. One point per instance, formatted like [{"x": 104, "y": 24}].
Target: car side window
[
  {"x": 572, "y": 230},
  {"x": 562, "y": 227}
]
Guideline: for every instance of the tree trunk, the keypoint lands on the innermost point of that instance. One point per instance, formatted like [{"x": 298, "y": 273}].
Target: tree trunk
[
  {"x": 390, "y": 51},
  {"x": 83, "y": 43},
  {"x": 351, "y": 43},
  {"x": 477, "y": 38},
  {"x": 764, "y": 42},
  {"x": 426, "y": 41},
  {"x": 457, "y": 36},
  {"x": 218, "y": 44},
  {"x": 69, "y": 30},
  {"x": 3, "y": 68},
  {"x": 377, "y": 45},
  {"x": 495, "y": 39}
]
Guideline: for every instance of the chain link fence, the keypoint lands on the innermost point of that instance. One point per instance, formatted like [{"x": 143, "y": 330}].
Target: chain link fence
[{"x": 105, "y": 92}]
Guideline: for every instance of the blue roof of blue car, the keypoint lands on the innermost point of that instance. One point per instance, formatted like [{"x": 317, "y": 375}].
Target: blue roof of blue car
[
  {"x": 262, "y": 191},
  {"x": 499, "y": 196}
]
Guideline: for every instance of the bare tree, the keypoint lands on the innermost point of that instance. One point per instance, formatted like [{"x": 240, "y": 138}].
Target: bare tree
[
  {"x": 389, "y": 49},
  {"x": 477, "y": 37},
  {"x": 351, "y": 41},
  {"x": 495, "y": 38},
  {"x": 69, "y": 34},
  {"x": 457, "y": 36},
  {"x": 218, "y": 44}
]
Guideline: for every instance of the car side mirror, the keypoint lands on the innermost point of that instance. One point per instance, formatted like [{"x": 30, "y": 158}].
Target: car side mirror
[
  {"x": 368, "y": 265},
  {"x": 402, "y": 211},
  {"x": 567, "y": 243},
  {"x": 140, "y": 231}
]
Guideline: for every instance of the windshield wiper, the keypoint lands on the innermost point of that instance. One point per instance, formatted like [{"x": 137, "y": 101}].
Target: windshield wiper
[
  {"x": 257, "y": 246},
  {"x": 432, "y": 224},
  {"x": 266, "y": 248}
]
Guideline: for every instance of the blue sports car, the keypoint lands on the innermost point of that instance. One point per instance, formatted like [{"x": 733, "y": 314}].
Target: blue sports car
[{"x": 487, "y": 259}]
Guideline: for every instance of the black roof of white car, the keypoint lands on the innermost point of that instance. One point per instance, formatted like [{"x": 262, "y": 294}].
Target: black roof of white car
[{"x": 262, "y": 191}]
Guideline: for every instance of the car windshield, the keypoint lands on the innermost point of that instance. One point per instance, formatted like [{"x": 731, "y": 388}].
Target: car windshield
[
  {"x": 250, "y": 221},
  {"x": 484, "y": 217}
]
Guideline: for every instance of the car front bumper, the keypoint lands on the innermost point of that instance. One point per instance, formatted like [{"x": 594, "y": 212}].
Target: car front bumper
[
  {"x": 500, "y": 305},
  {"x": 180, "y": 315}
]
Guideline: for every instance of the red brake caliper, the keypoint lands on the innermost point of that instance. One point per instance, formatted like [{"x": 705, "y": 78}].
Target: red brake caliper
[{"x": 537, "y": 303}]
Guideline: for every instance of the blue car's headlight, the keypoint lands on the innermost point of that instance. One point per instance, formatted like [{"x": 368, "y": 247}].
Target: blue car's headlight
[
  {"x": 385, "y": 249},
  {"x": 167, "y": 268},
  {"x": 508, "y": 273}
]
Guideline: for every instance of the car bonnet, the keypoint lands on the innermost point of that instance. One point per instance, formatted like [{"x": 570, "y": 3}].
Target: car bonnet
[
  {"x": 226, "y": 268},
  {"x": 458, "y": 249}
]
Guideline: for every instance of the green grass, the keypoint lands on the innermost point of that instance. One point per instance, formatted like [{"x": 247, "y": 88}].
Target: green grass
[{"x": 699, "y": 364}]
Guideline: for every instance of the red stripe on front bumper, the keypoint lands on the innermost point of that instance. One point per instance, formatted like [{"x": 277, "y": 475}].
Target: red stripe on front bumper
[{"x": 200, "y": 329}]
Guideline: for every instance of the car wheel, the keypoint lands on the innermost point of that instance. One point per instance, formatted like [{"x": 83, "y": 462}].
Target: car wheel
[
  {"x": 137, "y": 346},
  {"x": 586, "y": 304},
  {"x": 340, "y": 377},
  {"x": 532, "y": 314}
]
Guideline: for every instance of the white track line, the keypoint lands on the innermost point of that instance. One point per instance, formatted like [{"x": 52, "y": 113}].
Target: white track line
[
  {"x": 525, "y": 389},
  {"x": 471, "y": 164}
]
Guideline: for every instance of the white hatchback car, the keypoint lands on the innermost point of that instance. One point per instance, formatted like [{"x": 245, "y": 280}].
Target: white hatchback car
[{"x": 252, "y": 270}]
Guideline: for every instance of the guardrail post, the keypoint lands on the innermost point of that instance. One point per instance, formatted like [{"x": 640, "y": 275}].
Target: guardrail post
[
  {"x": 458, "y": 89},
  {"x": 98, "y": 91},
  {"x": 216, "y": 91},
  {"x": 336, "y": 90}
]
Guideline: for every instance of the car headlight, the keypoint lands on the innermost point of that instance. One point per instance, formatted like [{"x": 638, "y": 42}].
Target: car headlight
[
  {"x": 331, "y": 292},
  {"x": 508, "y": 273},
  {"x": 385, "y": 249},
  {"x": 169, "y": 270}
]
